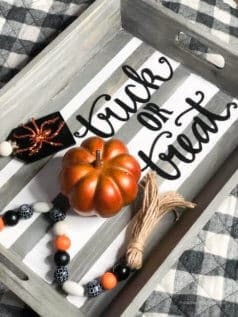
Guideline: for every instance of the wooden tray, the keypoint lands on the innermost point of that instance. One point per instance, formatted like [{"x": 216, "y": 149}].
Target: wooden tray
[{"x": 83, "y": 63}]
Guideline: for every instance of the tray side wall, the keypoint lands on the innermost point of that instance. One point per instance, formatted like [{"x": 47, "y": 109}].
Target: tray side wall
[
  {"x": 158, "y": 26},
  {"x": 55, "y": 67}
]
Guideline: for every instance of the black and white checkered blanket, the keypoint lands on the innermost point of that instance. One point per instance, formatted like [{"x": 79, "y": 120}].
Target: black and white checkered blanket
[
  {"x": 27, "y": 26},
  {"x": 204, "y": 280}
]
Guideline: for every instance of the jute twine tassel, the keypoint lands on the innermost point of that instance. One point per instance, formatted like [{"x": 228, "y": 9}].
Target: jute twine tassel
[{"x": 154, "y": 207}]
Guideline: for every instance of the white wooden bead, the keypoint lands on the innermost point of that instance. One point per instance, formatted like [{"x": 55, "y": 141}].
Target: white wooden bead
[
  {"x": 5, "y": 148},
  {"x": 60, "y": 228},
  {"x": 73, "y": 288},
  {"x": 42, "y": 207}
]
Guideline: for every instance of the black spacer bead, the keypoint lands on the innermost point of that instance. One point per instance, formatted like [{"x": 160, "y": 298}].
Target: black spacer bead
[
  {"x": 61, "y": 258},
  {"x": 121, "y": 271},
  {"x": 10, "y": 218}
]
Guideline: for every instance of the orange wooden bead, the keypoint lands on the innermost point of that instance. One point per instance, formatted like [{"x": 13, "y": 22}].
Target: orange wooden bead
[
  {"x": 2, "y": 225},
  {"x": 62, "y": 243},
  {"x": 108, "y": 280}
]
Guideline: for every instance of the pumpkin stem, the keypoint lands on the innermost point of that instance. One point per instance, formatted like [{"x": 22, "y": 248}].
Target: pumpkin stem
[{"x": 98, "y": 161}]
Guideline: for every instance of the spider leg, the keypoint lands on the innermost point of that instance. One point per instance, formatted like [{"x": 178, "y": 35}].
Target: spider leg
[
  {"x": 35, "y": 125},
  {"x": 36, "y": 149},
  {"x": 48, "y": 122},
  {"x": 53, "y": 143},
  {"x": 17, "y": 151},
  {"x": 53, "y": 135},
  {"x": 29, "y": 129},
  {"x": 29, "y": 148},
  {"x": 23, "y": 136}
]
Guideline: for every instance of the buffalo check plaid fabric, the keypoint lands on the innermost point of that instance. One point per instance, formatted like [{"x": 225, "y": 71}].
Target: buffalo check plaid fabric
[
  {"x": 27, "y": 26},
  {"x": 218, "y": 17},
  {"x": 203, "y": 282}
]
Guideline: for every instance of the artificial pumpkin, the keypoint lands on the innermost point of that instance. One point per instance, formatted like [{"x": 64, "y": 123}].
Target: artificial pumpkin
[{"x": 99, "y": 177}]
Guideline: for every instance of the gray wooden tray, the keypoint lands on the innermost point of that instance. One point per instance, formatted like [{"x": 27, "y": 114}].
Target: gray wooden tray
[{"x": 51, "y": 81}]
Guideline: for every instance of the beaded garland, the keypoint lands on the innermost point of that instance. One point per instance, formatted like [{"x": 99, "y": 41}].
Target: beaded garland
[
  {"x": 154, "y": 207},
  {"x": 62, "y": 243}
]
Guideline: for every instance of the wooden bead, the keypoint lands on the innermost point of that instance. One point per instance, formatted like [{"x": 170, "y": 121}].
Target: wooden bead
[
  {"x": 6, "y": 148},
  {"x": 10, "y": 218},
  {"x": 60, "y": 228},
  {"x": 2, "y": 225},
  {"x": 62, "y": 243},
  {"x": 61, "y": 275},
  {"x": 94, "y": 288},
  {"x": 73, "y": 288},
  {"x": 61, "y": 258},
  {"x": 42, "y": 207},
  {"x": 57, "y": 214},
  {"x": 121, "y": 271},
  {"x": 108, "y": 280},
  {"x": 25, "y": 211}
]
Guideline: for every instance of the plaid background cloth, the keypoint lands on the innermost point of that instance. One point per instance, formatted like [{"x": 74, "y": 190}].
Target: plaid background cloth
[
  {"x": 203, "y": 281},
  {"x": 27, "y": 26},
  {"x": 220, "y": 18}
]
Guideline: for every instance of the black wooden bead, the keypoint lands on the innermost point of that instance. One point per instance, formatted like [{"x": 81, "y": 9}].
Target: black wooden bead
[
  {"x": 121, "y": 271},
  {"x": 57, "y": 214},
  {"x": 94, "y": 288},
  {"x": 61, "y": 258},
  {"x": 25, "y": 211},
  {"x": 10, "y": 218},
  {"x": 61, "y": 274}
]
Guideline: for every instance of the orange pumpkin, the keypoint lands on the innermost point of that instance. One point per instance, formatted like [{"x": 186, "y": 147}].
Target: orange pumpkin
[{"x": 99, "y": 177}]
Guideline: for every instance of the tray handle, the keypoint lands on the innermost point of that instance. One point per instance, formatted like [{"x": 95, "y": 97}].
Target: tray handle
[
  {"x": 32, "y": 289},
  {"x": 158, "y": 26}
]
